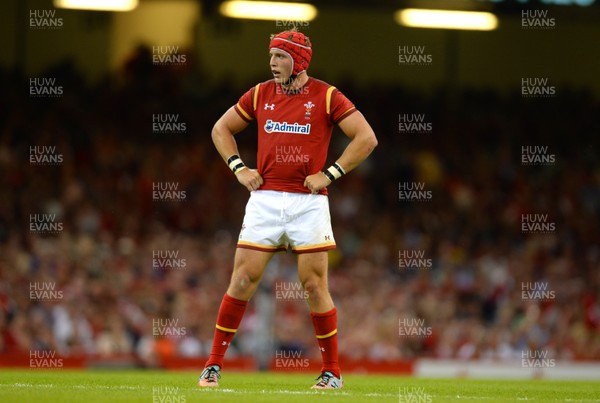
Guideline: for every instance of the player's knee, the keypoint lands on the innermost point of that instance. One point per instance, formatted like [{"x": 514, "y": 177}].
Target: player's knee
[
  {"x": 315, "y": 287},
  {"x": 242, "y": 282}
]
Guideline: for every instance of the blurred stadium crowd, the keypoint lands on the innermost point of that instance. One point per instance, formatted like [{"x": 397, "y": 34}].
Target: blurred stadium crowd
[{"x": 470, "y": 228}]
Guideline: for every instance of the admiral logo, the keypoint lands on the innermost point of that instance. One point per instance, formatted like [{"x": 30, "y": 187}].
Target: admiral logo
[{"x": 285, "y": 127}]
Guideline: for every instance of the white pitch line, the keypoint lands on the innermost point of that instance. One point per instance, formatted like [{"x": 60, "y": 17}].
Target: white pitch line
[
  {"x": 265, "y": 392},
  {"x": 458, "y": 397},
  {"x": 51, "y": 385},
  {"x": 274, "y": 392},
  {"x": 381, "y": 394}
]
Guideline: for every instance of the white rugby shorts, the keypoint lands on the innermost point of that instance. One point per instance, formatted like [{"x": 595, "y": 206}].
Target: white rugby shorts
[{"x": 275, "y": 221}]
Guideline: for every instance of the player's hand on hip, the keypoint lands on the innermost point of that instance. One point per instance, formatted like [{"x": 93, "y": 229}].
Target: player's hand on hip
[
  {"x": 250, "y": 178},
  {"x": 316, "y": 182}
]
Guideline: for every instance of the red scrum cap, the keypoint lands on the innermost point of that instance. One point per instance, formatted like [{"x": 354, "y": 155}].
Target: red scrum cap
[{"x": 296, "y": 45}]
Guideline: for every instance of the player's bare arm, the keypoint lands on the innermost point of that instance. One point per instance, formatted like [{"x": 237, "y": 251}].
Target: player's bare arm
[
  {"x": 222, "y": 135},
  {"x": 363, "y": 142}
]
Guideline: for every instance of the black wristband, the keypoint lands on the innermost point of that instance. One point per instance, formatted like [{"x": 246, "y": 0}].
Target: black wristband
[
  {"x": 329, "y": 175},
  {"x": 235, "y": 163},
  {"x": 334, "y": 172},
  {"x": 339, "y": 169},
  {"x": 232, "y": 158},
  {"x": 238, "y": 167}
]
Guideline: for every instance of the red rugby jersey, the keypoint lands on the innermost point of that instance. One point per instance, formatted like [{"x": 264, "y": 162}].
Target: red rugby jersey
[{"x": 294, "y": 130}]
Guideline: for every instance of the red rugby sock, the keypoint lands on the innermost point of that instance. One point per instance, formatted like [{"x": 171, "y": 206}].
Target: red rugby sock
[
  {"x": 230, "y": 315},
  {"x": 325, "y": 325}
]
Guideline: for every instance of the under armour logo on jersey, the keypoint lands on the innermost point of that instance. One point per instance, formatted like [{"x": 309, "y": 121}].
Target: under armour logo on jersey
[
  {"x": 328, "y": 237},
  {"x": 270, "y": 107}
]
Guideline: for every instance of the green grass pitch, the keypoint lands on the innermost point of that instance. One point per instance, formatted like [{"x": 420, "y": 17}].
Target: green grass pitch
[{"x": 23, "y": 386}]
